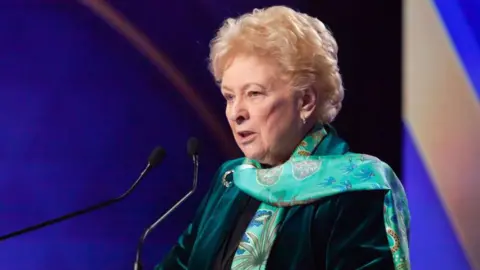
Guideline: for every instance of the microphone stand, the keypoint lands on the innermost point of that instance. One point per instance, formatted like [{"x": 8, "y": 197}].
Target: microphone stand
[
  {"x": 138, "y": 259},
  {"x": 79, "y": 212}
]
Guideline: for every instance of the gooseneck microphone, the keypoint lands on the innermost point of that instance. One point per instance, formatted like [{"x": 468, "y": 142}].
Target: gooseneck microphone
[
  {"x": 193, "y": 147},
  {"x": 155, "y": 158}
]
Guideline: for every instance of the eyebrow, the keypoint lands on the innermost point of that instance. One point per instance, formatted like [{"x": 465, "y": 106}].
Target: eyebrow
[{"x": 245, "y": 86}]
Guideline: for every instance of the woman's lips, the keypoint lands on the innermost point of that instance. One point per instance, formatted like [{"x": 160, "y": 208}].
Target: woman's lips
[{"x": 245, "y": 137}]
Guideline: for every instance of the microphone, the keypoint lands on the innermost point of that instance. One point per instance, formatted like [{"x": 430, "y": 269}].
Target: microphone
[
  {"x": 193, "y": 147},
  {"x": 155, "y": 159}
]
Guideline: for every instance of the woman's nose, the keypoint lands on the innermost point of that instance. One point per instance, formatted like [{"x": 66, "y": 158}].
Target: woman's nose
[{"x": 238, "y": 113}]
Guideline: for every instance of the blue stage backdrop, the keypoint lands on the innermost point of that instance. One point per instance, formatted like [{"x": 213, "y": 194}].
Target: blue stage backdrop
[
  {"x": 83, "y": 103},
  {"x": 80, "y": 111},
  {"x": 442, "y": 132}
]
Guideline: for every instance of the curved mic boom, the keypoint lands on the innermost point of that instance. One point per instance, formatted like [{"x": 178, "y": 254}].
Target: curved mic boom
[
  {"x": 155, "y": 158},
  {"x": 193, "y": 147}
]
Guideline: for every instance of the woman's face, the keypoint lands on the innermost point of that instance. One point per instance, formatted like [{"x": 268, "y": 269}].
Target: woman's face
[{"x": 264, "y": 113}]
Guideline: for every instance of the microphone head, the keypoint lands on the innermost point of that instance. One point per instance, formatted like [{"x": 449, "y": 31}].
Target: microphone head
[
  {"x": 193, "y": 146},
  {"x": 156, "y": 156}
]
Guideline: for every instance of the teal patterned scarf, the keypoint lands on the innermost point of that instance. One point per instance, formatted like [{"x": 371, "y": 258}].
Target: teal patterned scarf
[
  {"x": 256, "y": 243},
  {"x": 306, "y": 178}
]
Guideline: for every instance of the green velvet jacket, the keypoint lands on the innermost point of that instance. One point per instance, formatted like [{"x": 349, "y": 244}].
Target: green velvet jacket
[{"x": 343, "y": 231}]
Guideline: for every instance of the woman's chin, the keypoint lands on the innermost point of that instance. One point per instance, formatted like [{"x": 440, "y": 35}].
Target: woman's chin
[{"x": 253, "y": 154}]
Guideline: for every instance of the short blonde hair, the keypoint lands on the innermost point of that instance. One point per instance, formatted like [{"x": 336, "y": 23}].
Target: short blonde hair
[{"x": 301, "y": 45}]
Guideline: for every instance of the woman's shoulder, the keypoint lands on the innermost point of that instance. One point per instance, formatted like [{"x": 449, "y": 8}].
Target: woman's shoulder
[
  {"x": 354, "y": 158},
  {"x": 224, "y": 172},
  {"x": 227, "y": 168},
  {"x": 358, "y": 168},
  {"x": 352, "y": 180},
  {"x": 230, "y": 164}
]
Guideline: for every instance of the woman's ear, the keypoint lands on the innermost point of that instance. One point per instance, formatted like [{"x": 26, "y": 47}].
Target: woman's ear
[{"x": 308, "y": 102}]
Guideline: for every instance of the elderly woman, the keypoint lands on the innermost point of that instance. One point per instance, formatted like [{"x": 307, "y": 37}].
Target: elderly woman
[{"x": 298, "y": 199}]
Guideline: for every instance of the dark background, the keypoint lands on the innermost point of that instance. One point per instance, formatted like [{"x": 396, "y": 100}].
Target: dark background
[
  {"x": 81, "y": 108},
  {"x": 369, "y": 35}
]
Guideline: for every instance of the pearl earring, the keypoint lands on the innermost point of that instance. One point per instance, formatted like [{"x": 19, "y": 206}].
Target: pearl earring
[{"x": 304, "y": 120}]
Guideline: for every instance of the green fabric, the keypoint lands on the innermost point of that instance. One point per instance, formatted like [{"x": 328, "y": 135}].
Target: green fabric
[
  {"x": 342, "y": 232},
  {"x": 349, "y": 227},
  {"x": 303, "y": 180},
  {"x": 255, "y": 246}
]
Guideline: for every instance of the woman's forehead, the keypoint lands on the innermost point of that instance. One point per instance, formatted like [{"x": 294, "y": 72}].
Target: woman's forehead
[{"x": 249, "y": 70}]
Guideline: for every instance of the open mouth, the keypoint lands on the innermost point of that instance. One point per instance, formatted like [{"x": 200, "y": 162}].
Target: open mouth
[{"x": 245, "y": 135}]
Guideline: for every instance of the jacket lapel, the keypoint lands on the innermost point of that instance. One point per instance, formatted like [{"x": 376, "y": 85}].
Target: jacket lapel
[{"x": 218, "y": 226}]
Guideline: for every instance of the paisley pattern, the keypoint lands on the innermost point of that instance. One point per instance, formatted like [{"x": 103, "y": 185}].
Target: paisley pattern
[
  {"x": 306, "y": 178},
  {"x": 304, "y": 169},
  {"x": 269, "y": 177}
]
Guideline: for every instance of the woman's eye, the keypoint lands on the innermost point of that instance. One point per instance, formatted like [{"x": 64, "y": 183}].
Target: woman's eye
[
  {"x": 228, "y": 97},
  {"x": 254, "y": 93}
]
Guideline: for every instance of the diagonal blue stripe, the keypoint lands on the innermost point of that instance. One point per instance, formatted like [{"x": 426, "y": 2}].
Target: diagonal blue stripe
[
  {"x": 433, "y": 243},
  {"x": 462, "y": 20}
]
